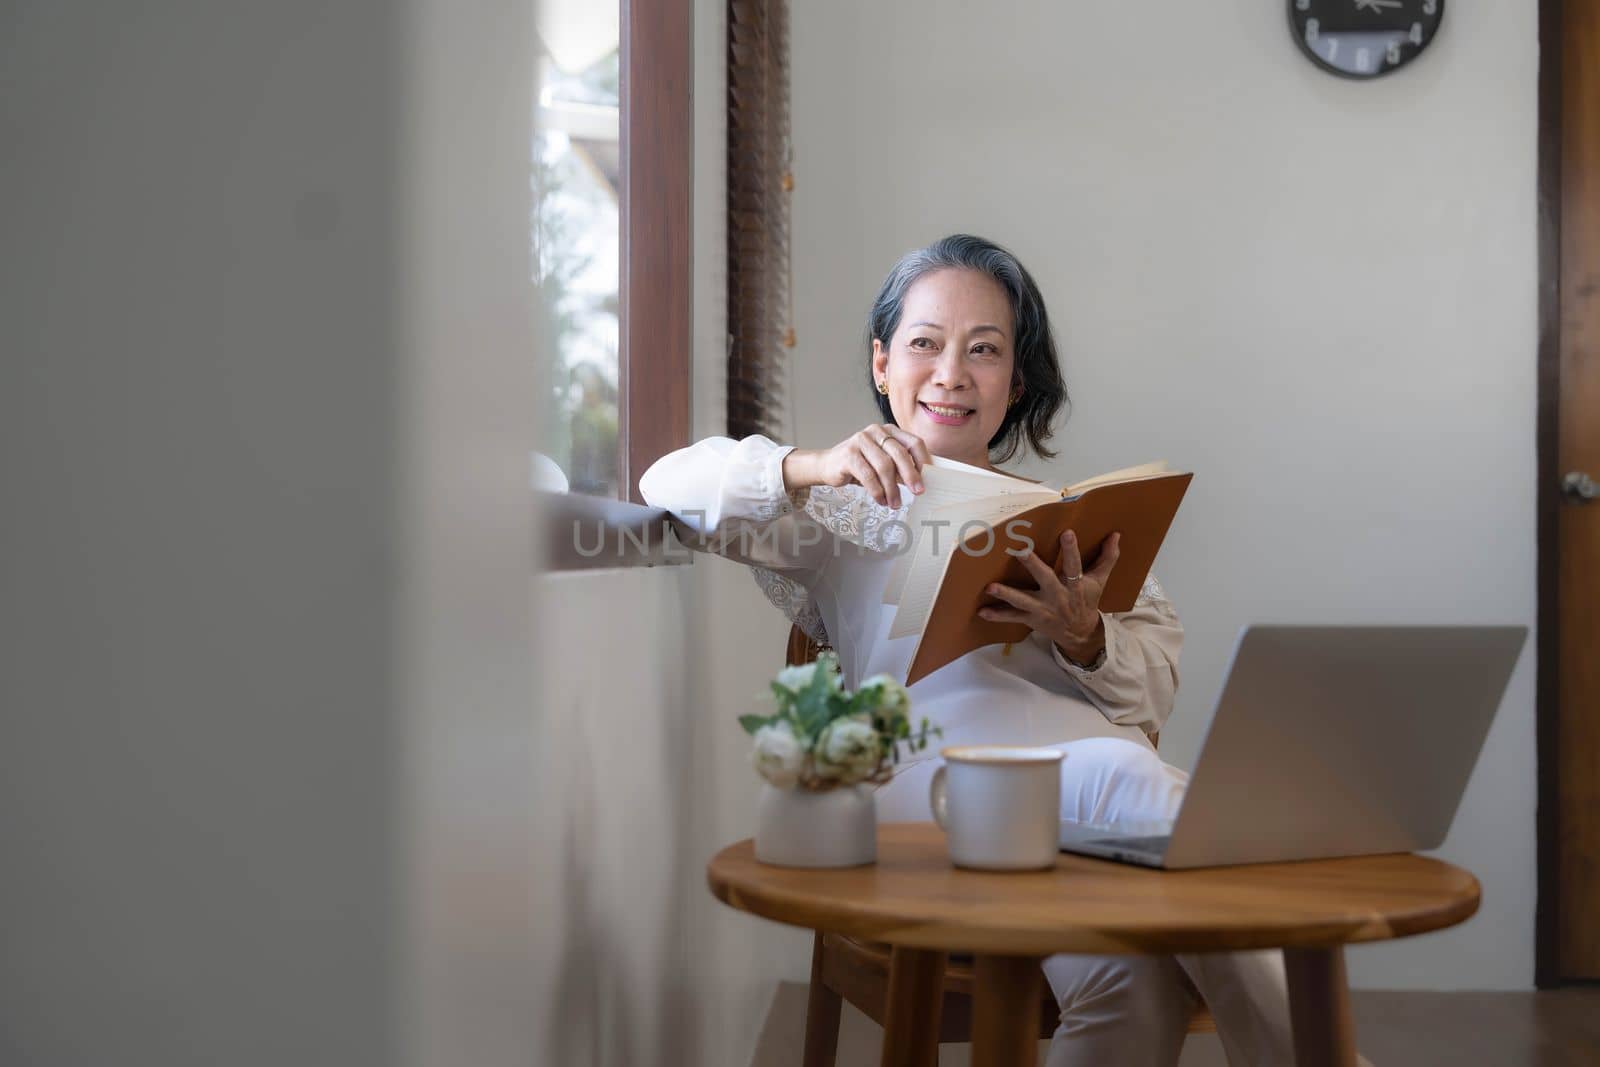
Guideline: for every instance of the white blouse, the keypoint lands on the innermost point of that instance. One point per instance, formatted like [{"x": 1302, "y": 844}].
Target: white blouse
[{"x": 823, "y": 556}]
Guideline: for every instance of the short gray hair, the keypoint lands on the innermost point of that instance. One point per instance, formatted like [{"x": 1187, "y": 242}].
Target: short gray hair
[{"x": 1036, "y": 368}]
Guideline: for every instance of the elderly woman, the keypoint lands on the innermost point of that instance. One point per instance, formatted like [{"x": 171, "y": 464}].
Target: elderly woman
[{"x": 963, "y": 366}]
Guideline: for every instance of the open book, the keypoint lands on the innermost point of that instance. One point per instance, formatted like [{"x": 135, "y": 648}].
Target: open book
[{"x": 968, "y": 525}]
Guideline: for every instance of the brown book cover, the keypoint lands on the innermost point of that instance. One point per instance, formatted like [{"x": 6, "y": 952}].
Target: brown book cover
[{"x": 1142, "y": 510}]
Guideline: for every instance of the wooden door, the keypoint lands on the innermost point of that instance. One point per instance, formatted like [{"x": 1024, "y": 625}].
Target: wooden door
[{"x": 1569, "y": 942}]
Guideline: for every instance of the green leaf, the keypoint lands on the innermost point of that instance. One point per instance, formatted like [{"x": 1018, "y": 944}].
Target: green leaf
[
  {"x": 812, "y": 709},
  {"x": 752, "y": 723}
]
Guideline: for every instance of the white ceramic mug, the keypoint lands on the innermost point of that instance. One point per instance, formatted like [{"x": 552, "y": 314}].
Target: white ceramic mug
[{"x": 999, "y": 806}]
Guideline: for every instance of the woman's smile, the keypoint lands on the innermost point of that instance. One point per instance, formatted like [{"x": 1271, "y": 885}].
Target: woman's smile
[{"x": 946, "y": 415}]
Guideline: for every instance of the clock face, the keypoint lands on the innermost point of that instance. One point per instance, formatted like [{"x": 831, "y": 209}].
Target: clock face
[{"x": 1364, "y": 38}]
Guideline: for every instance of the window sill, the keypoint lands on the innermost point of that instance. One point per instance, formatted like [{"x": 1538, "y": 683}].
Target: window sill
[{"x": 587, "y": 533}]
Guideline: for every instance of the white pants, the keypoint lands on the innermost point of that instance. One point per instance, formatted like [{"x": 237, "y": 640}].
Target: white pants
[{"x": 1135, "y": 1009}]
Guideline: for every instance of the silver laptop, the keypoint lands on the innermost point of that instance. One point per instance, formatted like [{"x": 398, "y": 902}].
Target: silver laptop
[{"x": 1329, "y": 741}]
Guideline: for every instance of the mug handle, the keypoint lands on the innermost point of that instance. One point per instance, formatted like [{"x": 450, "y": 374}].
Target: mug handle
[{"x": 938, "y": 799}]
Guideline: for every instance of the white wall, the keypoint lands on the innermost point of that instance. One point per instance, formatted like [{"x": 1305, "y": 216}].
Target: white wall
[
  {"x": 1315, "y": 293},
  {"x": 263, "y": 439}
]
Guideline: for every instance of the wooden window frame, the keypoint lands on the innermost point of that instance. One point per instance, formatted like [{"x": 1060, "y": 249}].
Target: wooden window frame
[
  {"x": 656, "y": 293},
  {"x": 655, "y": 377}
]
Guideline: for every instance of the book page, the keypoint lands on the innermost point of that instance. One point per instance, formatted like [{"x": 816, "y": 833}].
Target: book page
[
  {"x": 946, "y": 482},
  {"x": 937, "y": 544},
  {"x": 955, "y": 466},
  {"x": 925, "y": 567},
  {"x": 1126, "y": 474}
]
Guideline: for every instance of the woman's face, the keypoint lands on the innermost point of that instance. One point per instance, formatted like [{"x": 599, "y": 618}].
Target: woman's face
[{"x": 949, "y": 363}]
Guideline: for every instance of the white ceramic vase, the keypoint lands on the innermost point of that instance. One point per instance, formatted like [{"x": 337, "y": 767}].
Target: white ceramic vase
[{"x": 836, "y": 828}]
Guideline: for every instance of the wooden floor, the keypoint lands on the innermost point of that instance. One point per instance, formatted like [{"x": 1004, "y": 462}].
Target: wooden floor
[{"x": 1552, "y": 1029}]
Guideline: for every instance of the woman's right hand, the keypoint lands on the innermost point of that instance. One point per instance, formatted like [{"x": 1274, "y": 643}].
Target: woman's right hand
[{"x": 879, "y": 458}]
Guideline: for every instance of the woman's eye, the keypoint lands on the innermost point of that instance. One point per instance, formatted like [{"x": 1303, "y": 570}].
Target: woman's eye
[
  {"x": 915, "y": 341},
  {"x": 986, "y": 350}
]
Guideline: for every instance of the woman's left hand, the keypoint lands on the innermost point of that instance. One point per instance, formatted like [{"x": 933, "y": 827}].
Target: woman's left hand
[{"x": 1066, "y": 606}]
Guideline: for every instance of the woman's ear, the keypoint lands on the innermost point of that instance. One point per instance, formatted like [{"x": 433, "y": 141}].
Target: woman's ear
[{"x": 880, "y": 359}]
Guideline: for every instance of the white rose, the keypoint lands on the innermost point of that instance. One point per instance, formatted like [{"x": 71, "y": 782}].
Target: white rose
[
  {"x": 848, "y": 750},
  {"x": 796, "y": 679},
  {"x": 893, "y": 700},
  {"x": 778, "y": 754}
]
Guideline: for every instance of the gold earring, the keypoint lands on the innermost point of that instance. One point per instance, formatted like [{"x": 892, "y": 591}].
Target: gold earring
[{"x": 883, "y": 387}]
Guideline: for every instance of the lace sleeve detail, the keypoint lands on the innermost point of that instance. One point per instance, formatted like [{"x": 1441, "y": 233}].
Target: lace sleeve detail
[
  {"x": 850, "y": 515},
  {"x": 794, "y": 600},
  {"x": 854, "y": 516}
]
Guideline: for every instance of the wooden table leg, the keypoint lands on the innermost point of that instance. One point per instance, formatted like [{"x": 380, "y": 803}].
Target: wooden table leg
[
  {"x": 823, "y": 1008},
  {"x": 1005, "y": 1011},
  {"x": 911, "y": 1016},
  {"x": 1319, "y": 1007}
]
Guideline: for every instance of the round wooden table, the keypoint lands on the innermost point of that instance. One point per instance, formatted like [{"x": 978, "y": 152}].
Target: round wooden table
[{"x": 914, "y": 900}]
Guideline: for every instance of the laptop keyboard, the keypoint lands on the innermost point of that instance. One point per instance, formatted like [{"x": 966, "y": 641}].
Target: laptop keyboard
[{"x": 1154, "y": 843}]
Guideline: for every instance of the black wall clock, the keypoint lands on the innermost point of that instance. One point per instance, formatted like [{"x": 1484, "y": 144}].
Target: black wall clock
[{"x": 1364, "y": 38}]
